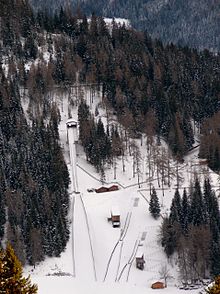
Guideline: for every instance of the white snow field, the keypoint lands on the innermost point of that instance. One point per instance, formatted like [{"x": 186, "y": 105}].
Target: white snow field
[{"x": 99, "y": 258}]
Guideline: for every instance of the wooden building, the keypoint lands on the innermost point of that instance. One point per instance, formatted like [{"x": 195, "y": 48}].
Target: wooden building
[
  {"x": 106, "y": 189},
  {"x": 140, "y": 260},
  {"x": 158, "y": 285},
  {"x": 101, "y": 190},
  {"x": 113, "y": 188},
  {"x": 115, "y": 217}
]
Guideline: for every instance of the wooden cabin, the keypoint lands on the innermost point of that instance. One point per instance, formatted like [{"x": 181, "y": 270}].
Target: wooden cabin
[
  {"x": 140, "y": 260},
  {"x": 113, "y": 188},
  {"x": 101, "y": 190},
  {"x": 203, "y": 162},
  {"x": 105, "y": 189},
  {"x": 158, "y": 285},
  {"x": 115, "y": 217}
]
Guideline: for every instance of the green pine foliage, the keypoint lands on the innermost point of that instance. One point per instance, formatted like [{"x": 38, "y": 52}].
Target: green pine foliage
[
  {"x": 94, "y": 138},
  {"x": 34, "y": 179},
  {"x": 215, "y": 258},
  {"x": 154, "y": 205},
  {"x": 192, "y": 231},
  {"x": 2, "y": 215},
  {"x": 197, "y": 208},
  {"x": 168, "y": 236},
  {"x": 184, "y": 220},
  {"x": 137, "y": 75},
  {"x": 164, "y": 20},
  {"x": 210, "y": 140},
  {"x": 11, "y": 275},
  {"x": 212, "y": 209},
  {"x": 176, "y": 209}
]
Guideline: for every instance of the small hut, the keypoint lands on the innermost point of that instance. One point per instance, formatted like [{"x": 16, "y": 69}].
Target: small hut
[
  {"x": 140, "y": 260},
  {"x": 113, "y": 188},
  {"x": 106, "y": 189},
  {"x": 158, "y": 285},
  {"x": 101, "y": 190},
  {"x": 71, "y": 123},
  {"x": 115, "y": 217}
]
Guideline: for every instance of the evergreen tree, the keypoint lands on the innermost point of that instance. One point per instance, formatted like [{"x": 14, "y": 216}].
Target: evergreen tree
[
  {"x": 207, "y": 194},
  {"x": 138, "y": 75},
  {"x": 198, "y": 215},
  {"x": 215, "y": 258},
  {"x": 30, "y": 48},
  {"x": 84, "y": 118},
  {"x": 185, "y": 212},
  {"x": 169, "y": 236},
  {"x": 100, "y": 132},
  {"x": 216, "y": 162},
  {"x": 212, "y": 208},
  {"x": 11, "y": 276},
  {"x": 176, "y": 209},
  {"x": 154, "y": 205},
  {"x": 2, "y": 215}
]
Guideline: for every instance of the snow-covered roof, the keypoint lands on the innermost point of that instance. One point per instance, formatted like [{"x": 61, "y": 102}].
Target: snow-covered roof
[
  {"x": 71, "y": 123},
  {"x": 139, "y": 254},
  {"x": 115, "y": 210}
]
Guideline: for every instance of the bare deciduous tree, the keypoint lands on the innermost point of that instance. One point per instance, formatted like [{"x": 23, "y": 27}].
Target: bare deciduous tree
[
  {"x": 165, "y": 274},
  {"x": 135, "y": 151},
  {"x": 36, "y": 246}
]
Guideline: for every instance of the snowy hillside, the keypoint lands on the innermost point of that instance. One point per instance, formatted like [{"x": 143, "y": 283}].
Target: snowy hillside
[
  {"x": 77, "y": 208},
  {"x": 98, "y": 257}
]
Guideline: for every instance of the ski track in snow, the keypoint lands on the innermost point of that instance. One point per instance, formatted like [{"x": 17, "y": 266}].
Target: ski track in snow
[
  {"x": 115, "y": 251},
  {"x": 84, "y": 256},
  {"x": 82, "y": 251}
]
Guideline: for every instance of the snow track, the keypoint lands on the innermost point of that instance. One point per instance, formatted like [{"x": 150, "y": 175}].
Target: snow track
[
  {"x": 84, "y": 255},
  {"x": 82, "y": 251},
  {"x": 89, "y": 235},
  {"x": 119, "y": 262},
  {"x": 73, "y": 247},
  {"x": 72, "y": 148},
  {"x": 120, "y": 241},
  {"x": 130, "y": 261}
]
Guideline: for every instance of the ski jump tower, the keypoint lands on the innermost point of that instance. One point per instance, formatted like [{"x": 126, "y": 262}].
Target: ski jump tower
[{"x": 72, "y": 137}]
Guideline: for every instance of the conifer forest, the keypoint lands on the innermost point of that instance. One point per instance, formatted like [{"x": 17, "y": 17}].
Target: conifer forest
[
  {"x": 190, "y": 23},
  {"x": 162, "y": 90}
]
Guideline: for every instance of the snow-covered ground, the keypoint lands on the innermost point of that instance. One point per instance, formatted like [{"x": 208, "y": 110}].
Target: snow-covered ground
[
  {"x": 99, "y": 258},
  {"x": 119, "y": 21}
]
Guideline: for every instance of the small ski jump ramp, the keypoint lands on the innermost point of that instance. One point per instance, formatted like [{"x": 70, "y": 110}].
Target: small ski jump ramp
[{"x": 72, "y": 138}]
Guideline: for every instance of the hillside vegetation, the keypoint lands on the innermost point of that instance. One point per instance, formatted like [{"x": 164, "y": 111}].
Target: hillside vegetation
[
  {"x": 192, "y": 23},
  {"x": 162, "y": 90}
]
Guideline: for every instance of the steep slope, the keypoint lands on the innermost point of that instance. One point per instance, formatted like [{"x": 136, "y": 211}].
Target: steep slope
[
  {"x": 53, "y": 273},
  {"x": 152, "y": 88}
]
